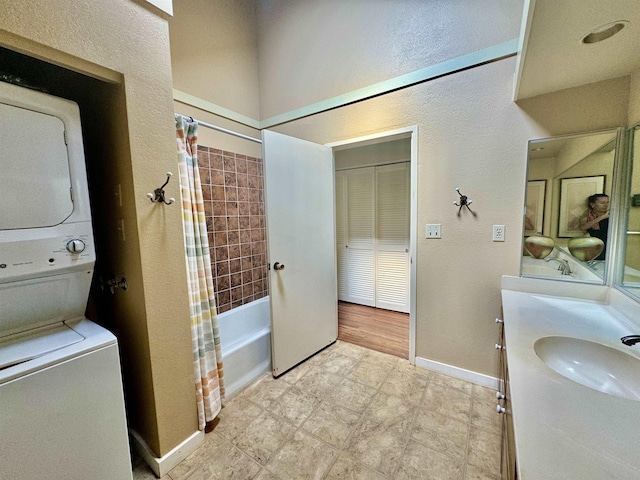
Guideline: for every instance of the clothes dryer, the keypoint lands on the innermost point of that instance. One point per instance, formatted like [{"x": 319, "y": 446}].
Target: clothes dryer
[{"x": 62, "y": 413}]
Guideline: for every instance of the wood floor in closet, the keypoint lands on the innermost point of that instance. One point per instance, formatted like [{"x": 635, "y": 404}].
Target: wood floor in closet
[{"x": 374, "y": 328}]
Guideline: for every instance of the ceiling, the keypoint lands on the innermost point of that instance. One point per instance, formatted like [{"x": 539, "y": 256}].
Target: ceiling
[{"x": 552, "y": 56}]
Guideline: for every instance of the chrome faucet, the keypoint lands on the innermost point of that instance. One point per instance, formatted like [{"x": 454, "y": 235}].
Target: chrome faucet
[
  {"x": 563, "y": 265},
  {"x": 630, "y": 339}
]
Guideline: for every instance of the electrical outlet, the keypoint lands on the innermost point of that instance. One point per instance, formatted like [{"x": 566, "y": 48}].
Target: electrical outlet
[
  {"x": 432, "y": 230},
  {"x": 498, "y": 233}
]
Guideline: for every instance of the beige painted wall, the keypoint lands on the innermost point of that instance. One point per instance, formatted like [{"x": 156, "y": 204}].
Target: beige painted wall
[
  {"x": 124, "y": 41},
  {"x": 393, "y": 151},
  {"x": 311, "y": 50},
  {"x": 223, "y": 141},
  {"x": 214, "y": 52},
  {"x": 472, "y": 136}
]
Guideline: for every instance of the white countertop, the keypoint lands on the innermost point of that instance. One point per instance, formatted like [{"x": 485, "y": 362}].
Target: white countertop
[{"x": 564, "y": 430}]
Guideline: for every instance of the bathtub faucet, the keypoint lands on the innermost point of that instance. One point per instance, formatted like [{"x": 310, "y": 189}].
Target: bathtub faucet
[{"x": 563, "y": 265}]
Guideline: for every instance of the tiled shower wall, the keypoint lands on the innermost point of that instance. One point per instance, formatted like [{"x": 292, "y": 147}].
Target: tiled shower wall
[{"x": 233, "y": 194}]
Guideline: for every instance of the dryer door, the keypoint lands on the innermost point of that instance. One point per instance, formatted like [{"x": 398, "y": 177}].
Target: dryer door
[{"x": 35, "y": 185}]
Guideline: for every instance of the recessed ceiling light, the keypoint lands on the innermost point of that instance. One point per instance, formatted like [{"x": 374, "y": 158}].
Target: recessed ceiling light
[{"x": 604, "y": 31}]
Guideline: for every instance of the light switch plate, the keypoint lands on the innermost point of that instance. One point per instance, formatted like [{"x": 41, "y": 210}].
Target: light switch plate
[{"x": 433, "y": 230}]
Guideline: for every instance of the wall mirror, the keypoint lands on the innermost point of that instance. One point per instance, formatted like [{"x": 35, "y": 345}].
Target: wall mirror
[
  {"x": 566, "y": 224},
  {"x": 631, "y": 241}
]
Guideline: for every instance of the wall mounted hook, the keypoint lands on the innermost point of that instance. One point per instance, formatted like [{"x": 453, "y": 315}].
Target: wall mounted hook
[
  {"x": 463, "y": 202},
  {"x": 158, "y": 193}
]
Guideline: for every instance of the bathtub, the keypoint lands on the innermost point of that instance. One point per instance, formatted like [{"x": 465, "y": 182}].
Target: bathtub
[{"x": 245, "y": 338}]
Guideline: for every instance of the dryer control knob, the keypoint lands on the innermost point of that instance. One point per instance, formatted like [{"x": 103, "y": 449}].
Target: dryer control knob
[{"x": 75, "y": 246}]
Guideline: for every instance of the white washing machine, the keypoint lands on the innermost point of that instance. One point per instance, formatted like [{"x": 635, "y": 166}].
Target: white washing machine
[{"x": 62, "y": 410}]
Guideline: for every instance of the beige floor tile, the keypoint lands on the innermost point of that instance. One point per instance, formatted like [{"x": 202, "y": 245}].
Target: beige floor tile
[
  {"x": 369, "y": 374},
  {"x": 331, "y": 424},
  {"x": 376, "y": 447},
  {"x": 440, "y": 433},
  {"x": 264, "y": 436},
  {"x": 295, "y": 374},
  {"x": 483, "y": 394},
  {"x": 303, "y": 457},
  {"x": 350, "y": 413},
  {"x": 447, "y": 401},
  {"x": 452, "y": 382},
  {"x": 235, "y": 416},
  {"x": 405, "y": 383},
  {"x": 484, "y": 451},
  {"x": 394, "y": 413},
  {"x": 485, "y": 416},
  {"x": 321, "y": 357},
  {"x": 338, "y": 363},
  {"x": 403, "y": 366},
  {"x": 421, "y": 463},
  {"x": 216, "y": 458},
  {"x": 350, "y": 350},
  {"x": 265, "y": 390},
  {"x": 266, "y": 475},
  {"x": 350, "y": 394},
  {"x": 474, "y": 473},
  {"x": 347, "y": 469},
  {"x": 379, "y": 358},
  {"x": 318, "y": 382},
  {"x": 294, "y": 405}
]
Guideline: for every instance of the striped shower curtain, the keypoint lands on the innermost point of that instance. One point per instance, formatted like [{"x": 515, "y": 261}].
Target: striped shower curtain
[{"x": 205, "y": 335}]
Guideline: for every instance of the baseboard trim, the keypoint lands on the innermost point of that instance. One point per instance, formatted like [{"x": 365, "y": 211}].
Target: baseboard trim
[
  {"x": 457, "y": 372},
  {"x": 161, "y": 466}
]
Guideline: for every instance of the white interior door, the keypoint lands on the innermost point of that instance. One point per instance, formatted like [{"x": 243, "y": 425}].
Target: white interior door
[{"x": 299, "y": 196}]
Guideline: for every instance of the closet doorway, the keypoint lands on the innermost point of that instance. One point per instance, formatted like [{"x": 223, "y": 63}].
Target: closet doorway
[{"x": 375, "y": 207}]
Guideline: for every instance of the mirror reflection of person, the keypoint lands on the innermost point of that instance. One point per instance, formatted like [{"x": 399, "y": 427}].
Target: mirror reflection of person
[{"x": 596, "y": 221}]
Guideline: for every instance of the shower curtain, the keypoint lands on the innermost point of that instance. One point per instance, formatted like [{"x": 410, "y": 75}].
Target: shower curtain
[{"x": 205, "y": 334}]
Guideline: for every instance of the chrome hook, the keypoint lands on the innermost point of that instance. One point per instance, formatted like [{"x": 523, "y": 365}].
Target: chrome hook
[
  {"x": 463, "y": 202},
  {"x": 158, "y": 193}
]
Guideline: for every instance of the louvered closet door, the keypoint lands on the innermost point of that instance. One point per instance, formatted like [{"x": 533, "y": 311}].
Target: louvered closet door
[
  {"x": 360, "y": 247},
  {"x": 392, "y": 234},
  {"x": 341, "y": 233}
]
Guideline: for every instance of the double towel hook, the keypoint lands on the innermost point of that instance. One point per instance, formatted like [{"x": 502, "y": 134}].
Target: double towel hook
[
  {"x": 158, "y": 193},
  {"x": 464, "y": 201}
]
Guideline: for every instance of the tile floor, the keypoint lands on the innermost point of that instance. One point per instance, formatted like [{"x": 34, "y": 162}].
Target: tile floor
[{"x": 350, "y": 413}]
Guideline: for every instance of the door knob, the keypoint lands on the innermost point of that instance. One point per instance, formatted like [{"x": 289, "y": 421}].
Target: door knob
[{"x": 278, "y": 266}]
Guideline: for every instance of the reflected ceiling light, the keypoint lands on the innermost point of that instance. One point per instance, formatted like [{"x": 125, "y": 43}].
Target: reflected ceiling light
[
  {"x": 604, "y": 31},
  {"x": 537, "y": 149}
]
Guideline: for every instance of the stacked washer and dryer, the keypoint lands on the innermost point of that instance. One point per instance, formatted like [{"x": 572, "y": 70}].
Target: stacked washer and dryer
[{"x": 62, "y": 410}]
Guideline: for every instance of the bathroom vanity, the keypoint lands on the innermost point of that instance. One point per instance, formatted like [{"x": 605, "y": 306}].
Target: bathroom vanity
[{"x": 573, "y": 387}]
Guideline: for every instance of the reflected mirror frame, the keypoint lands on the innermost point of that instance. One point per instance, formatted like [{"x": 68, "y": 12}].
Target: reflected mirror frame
[
  {"x": 619, "y": 165},
  {"x": 625, "y": 206}
]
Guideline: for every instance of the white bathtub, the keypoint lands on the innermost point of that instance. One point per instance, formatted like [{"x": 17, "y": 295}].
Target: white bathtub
[{"x": 245, "y": 337}]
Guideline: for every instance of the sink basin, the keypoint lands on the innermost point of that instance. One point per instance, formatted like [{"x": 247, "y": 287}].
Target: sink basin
[{"x": 592, "y": 364}]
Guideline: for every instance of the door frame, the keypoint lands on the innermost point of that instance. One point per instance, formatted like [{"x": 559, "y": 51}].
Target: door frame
[{"x": 382, "y": 137}]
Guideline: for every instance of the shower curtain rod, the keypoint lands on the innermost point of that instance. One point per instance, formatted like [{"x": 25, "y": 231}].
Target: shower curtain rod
[{"x": 224, "y": 130}]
